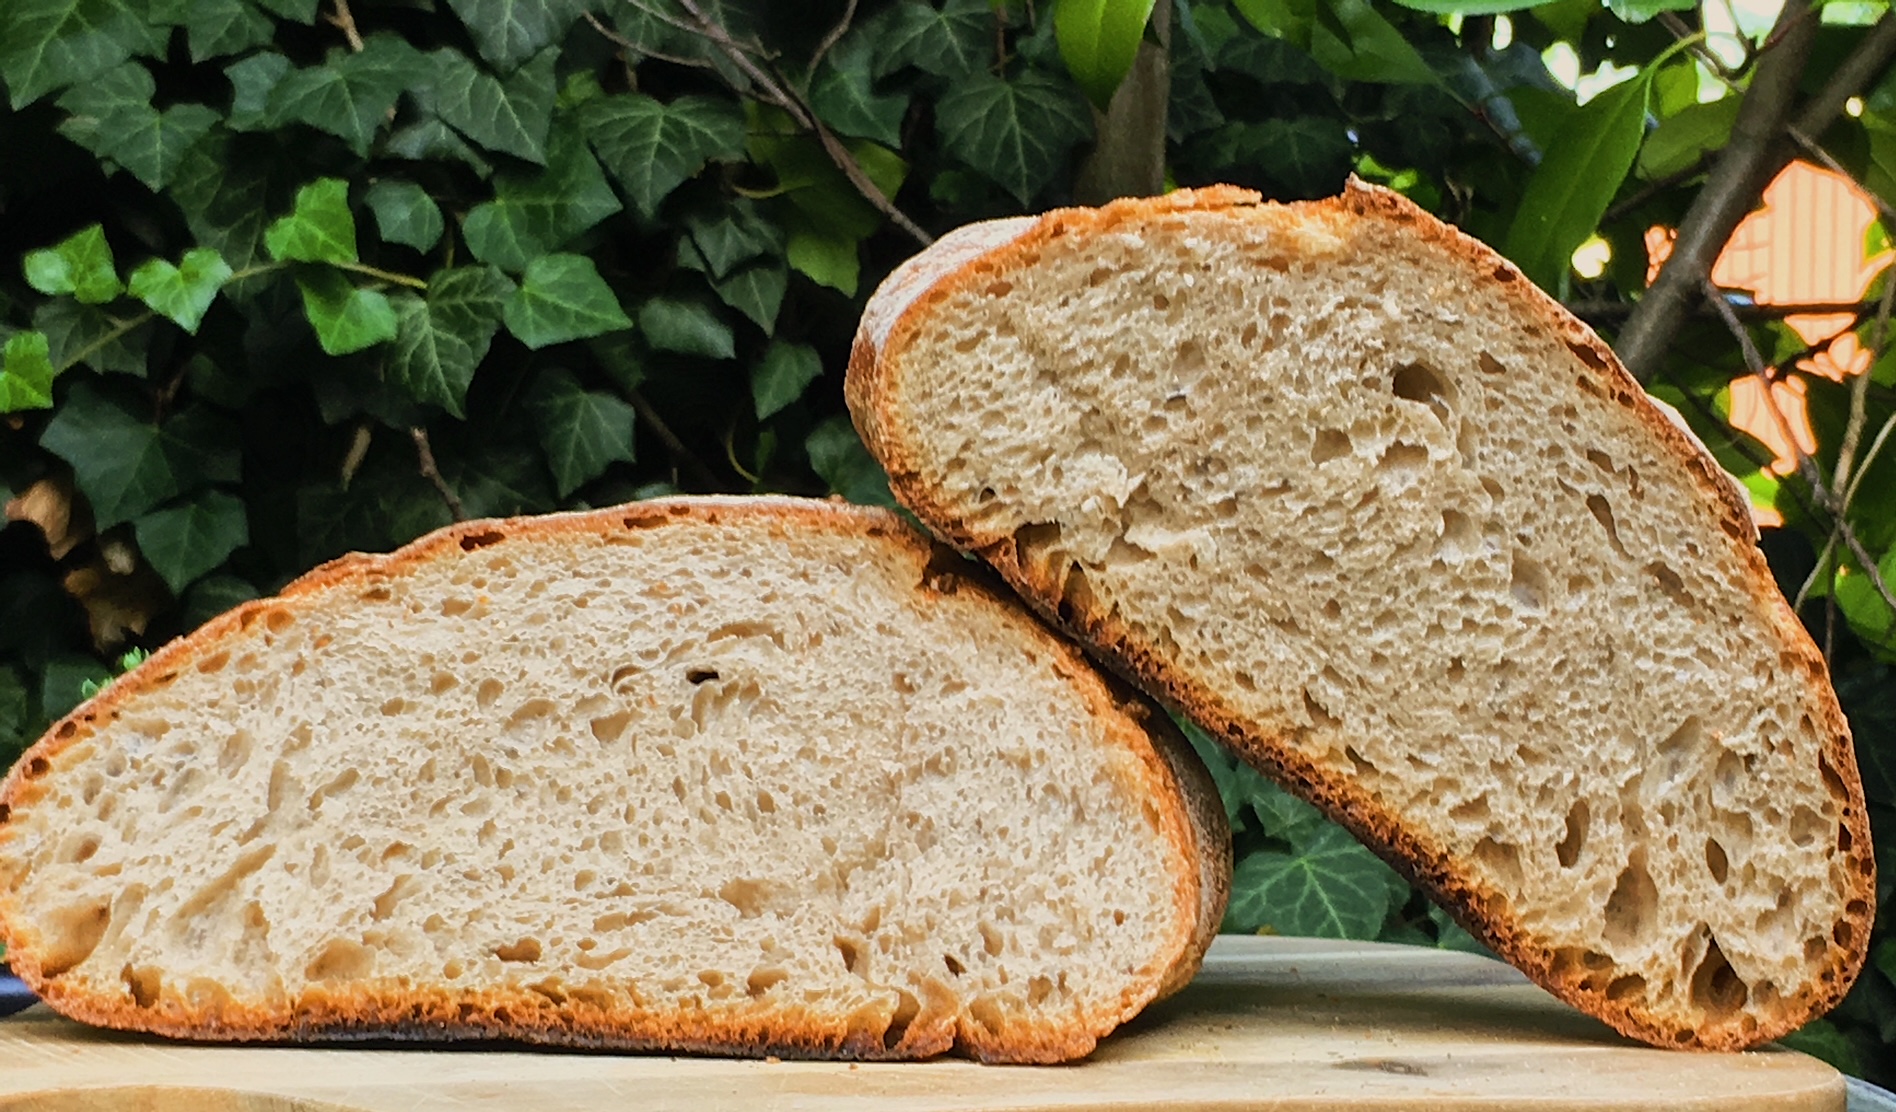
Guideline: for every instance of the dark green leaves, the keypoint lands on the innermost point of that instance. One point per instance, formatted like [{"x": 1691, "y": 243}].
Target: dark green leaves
[
  {"x": 535, "y": 212},
  {"x": 686, "y": 327},
  {"x": 836, "y": 453},
  {"x": 216, "y": 28},
  {"x": 404, "y": 213},
  {"x": 1099, "y": 40},
  {"x": 782, "y": 376},
  {"x": 508, "y": 32},
  {"x": 844, "y": 97},
  {"x": 124, "y": 464},
  {"x": 81, "y": 265},
  {"x": 1347, "y": 37},
  {"x": 953, "y": 41},
  {"x": 1331, "y": 887},
  {"x": 26, "y": 373},
  {"x": 319, "y": 229},
  {"x": 183, "y": 542},
  {"x": 348, "y": 95},
  {"x": 583, "y": 431},
  {"x": 1017, "y": 133},
  {"x": 49, "y": 44},
  {"x": 511, "y": 116},
  {"x": 1471, "y": 7},
  {"x": 651, "y": 148},
  {"x": 1574, "y": 183},
  {"x": 562, "y": 297},
  {"x": 183, "y": 292},
  {"x": 346, "y": 319},
  {"x": 441, "y": 340},
  {"x": 112, "y": 117}
]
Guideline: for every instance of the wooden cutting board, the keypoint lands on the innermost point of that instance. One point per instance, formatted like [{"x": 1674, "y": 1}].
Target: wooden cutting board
[{"x": 1285, "y": 1024}]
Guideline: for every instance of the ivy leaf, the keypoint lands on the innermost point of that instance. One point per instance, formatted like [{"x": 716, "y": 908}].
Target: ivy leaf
[
  {"x": 112, "y": 117},
  {"x": 1639, "y": 11},
  {"x": 686, "y": 327},
  {"x": 183, "y": 542},
  {"x": 49, "y": 44},
  {"x": 125, "y": 466},
  {"x": 215, "y": 28},
  {"x": 404, "y": 213},
  {"x": 843, "y": 95},
  {"x": 827, "y": 260},
  {"x": 951, "y": 42},
  {"x": 86, "y": 335},
  {"x": 651, "y": 148},
  {"x": 319, "y": 229},
  {"x": 1571, "y": 188},
  {"x": 302, "y": 11},
  {"x": 560, "y": 298},
  {"x": 346, "y": 319},
  {"x": 16, "y": 714},
  {"x": 349, "y": 94},
  {"x": 1099, "y": 40},
  {"x": 183, "y": 292},
  {"x": 1016, "y": 133},
  {"x": 508, "y": 32},
  {"x": 252, "y": 80},
  {"x": 224, "y": 193},
  {"x": 498, "y": 481},
  {"x": 430, "y": 139},
  {"x": 440, "y": 341},
  {"x": 510, "y": 116},
  {"x": 1331, "y": 888},
  {"x": 215, "y": 595},
  {"x": 535, "y": 212},
  {"x": 26, "y": 373},
  {"x": 583, "y": 431},
  {"x": 1680, "y": 139},
  {"x": 81, "y": 265},
  {"x": 836, "y": 453},
  {"x": 782, "y": 376},
  {"x": 734, "y": 236},
  {"x": 755, "y": 291}
]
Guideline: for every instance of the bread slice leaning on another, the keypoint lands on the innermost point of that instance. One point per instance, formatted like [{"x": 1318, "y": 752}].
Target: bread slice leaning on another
[
  {"x": 1342, "y": 484},
  {"x": 737, "y": 775}
]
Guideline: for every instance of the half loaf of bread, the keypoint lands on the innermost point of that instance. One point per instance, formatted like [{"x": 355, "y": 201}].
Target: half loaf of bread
[
  {"x": 1339, "y": 482},
  {"x": 744, "y": 775}
]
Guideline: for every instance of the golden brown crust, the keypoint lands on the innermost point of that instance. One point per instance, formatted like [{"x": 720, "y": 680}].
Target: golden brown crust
[
  {"x": 380, "y": 1010},
  {"x": 1479, "y": 908}
]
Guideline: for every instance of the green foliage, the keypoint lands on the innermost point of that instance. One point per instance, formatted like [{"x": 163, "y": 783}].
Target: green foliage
[{"x": 260, "y": 271}]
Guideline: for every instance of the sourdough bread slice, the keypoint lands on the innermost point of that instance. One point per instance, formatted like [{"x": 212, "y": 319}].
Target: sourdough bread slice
[
  {"x": 737, "y": 775},
  {"x": 1339, "y": 482}
]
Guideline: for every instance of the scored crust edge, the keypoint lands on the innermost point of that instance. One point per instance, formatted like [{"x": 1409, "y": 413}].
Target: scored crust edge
[
  {"x": 980, "y": 253},
  {"x": 1192, "y": 822}
]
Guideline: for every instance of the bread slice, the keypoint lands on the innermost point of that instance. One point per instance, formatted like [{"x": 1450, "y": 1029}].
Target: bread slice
[
  {"x": 756, "y": 776},
  {"x": 1340, "y": 483}
]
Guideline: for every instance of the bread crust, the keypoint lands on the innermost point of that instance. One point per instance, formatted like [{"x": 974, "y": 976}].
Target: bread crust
[
  {"x": 930, "y": 279},
  {"x": 1191, "y": 820}
]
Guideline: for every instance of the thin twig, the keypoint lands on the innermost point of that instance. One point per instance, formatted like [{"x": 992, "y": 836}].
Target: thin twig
[
  {"x": 1682, "y": 32},
  {"x": 1749, "y": 160},
  {"x": 1655, "y": 187},
  {"x": 775, "y": 92},
  {"x": 345, "y": 22},
  {"x": 627, "y": 46},
  {"x": 1842, "y": 473},
  {"x": 835, "y": 34},
  {"x": 700, "y": 474},
  {"x": 358, "y": 451},
  {"x": 1865, "y": 61},
  {"x": 1806, "y": 466},
  {"x": 424, "y": 454},
  {"x": 1776, "y": 310}
]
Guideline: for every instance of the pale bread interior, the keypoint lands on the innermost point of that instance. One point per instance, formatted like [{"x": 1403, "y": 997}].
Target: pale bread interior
[
  {"x": 740, "y": 772},
  {"x": 1337, "y": 477}
]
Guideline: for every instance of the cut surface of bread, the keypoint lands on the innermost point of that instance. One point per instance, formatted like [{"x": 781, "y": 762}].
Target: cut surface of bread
[
  {"x": 738, "y": 775},
  {"x": 1339, "y": 482}
]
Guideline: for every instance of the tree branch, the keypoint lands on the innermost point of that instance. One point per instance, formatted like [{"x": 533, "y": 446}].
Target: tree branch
[
  {"x": 1738, "y": 177},
  {"x": 627, "y": 46},
  {"x": 680, "y": 453},
  {"x": 424, "y": 456},
  {"x": 835, "y": 34},
  {"x": 1873, "y": 51},
  {"x": 1619, "y": 310},
  {"x": 343, "y": 20}
]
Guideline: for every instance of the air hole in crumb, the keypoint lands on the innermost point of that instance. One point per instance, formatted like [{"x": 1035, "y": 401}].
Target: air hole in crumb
[
  {"x": 527, "y": 949},
  {"x": 906, "y": 1009},
  {"x": 1490, "y": 365},
  {"x": 1603, "y": 513},
  {"x": 1716, "y": 987},
  {"x": 762, "y": 980},
  {"x": 340, "y": 960},
  {"x": 991, "y": 941},
  {"x": 144, "y": 983},
  {"x": 214, "y": 663},
  {"x": 955, "y": 968},
  {"x": 377, "y": 594},
  {"x": 1328, "y": 445},
  {"x": 1503, "y": 861},
  {"x": 1528, "y": 582},
  {"x": 607, "y": 729},
  {"x": 1417, "y": 383},
  {"x": 1625, "y": 987},
  {"x": 988, "y": 1015},
  {"x": 1632, "y": 908},
  {"x": 455, "y": 607},
  {"x": 701, "y": 675},
  {"x": 38, "y": 767},
  {"x": 1669, "y": 583},
  {"x": 1578, "y": 818},
  {"x": 1716, "y": 861},
  {"x": 1403, "y": 458},
  {"x": 849, "y": 951},
  {"x": 481, "y": 540},
  {"x": 488, "y": 693}
]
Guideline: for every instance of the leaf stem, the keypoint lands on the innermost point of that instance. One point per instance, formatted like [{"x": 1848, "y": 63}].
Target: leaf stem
[
  {"x": 424, "y": 457},
  {"x": 385, "y": 275}
]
